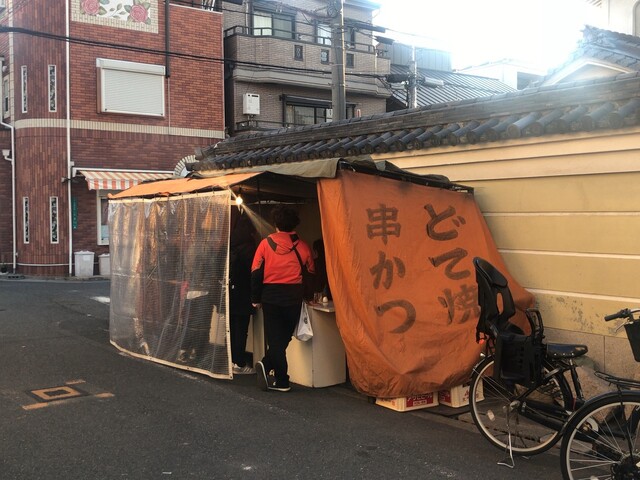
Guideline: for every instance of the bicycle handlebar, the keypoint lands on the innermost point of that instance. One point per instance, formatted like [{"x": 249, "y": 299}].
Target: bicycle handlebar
[{"x": 624, "y": 313}]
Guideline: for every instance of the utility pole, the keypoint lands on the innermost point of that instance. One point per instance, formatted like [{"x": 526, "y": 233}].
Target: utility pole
[
  {"x": 338, "y": 85},
  {"x": 412, "y": 84}
]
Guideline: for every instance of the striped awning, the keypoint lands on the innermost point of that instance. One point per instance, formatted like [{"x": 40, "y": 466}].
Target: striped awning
[{"x": 119, "y": 179}]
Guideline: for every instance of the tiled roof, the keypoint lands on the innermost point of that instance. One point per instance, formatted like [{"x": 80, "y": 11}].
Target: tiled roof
[
  {"x": 457, "y": 86},
  {"x": 611, "y": 47},
  {"x": 604, "y": 104}
]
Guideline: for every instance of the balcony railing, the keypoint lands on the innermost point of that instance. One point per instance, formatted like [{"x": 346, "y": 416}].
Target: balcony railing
[
  {"x": 300, "y": 37},
  {"x": 257, "y": 125},
  {"x": 203, "y": 4}
]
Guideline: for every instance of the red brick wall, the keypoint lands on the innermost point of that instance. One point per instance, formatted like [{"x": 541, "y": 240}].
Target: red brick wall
[
  {"x": 131, "y": 150},
  {"x": 40, "y": 168},
  {"x": 6, "y": 202},
  {"x": 193, "y": 92},
  {"x": 6, "y": 226},
  {"x": 193, "y": 100},
  {"x": 36, "y": 53},
  {"x": 197, "y": 86}
]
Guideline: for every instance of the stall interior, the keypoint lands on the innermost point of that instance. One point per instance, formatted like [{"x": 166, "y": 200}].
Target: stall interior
[{"x": 171, "y": 254}]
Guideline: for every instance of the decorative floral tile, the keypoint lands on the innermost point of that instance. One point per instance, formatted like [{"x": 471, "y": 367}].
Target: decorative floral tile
[
  {"x": 129, "y": 11},
  {"x": 130, "y": 14}
]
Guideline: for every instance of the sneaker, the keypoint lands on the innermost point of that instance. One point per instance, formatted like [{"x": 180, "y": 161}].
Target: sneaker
[
  {"x": 246, "y": 370},
  {"x": 263, "y": 384},
  {"x": 274, "y": 386},
  {"x": 182, "y": 356}
]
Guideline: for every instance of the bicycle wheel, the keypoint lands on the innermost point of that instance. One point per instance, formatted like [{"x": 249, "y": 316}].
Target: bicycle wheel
[
  {"x": 601, "y": 439},
  {"x": 508, "y": 414}
]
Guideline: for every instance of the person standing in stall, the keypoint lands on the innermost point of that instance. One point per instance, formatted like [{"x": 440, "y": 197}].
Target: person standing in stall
[
  {"x": 276, "y": 286},
  {"x": 242, "y": 247},
  {"x": 320, "y": 262}
]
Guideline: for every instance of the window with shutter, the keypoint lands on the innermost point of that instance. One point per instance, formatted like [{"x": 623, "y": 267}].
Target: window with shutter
[{"x": 130, "y": 88}]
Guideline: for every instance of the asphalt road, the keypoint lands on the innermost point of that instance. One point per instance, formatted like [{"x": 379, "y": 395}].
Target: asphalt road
[{"x": 73, "y": 407}]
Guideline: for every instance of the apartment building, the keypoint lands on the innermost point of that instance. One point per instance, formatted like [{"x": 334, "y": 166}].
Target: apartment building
[
  {"x": 97, "y": 95},
  {"x": 280, "y": 59}
]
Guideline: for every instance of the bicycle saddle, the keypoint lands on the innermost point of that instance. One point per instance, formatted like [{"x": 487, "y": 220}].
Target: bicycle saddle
[{"x": 562, "y": 350}]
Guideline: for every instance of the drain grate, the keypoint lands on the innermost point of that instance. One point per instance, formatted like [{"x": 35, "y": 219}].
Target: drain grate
[{"x": 56, "y": 393}]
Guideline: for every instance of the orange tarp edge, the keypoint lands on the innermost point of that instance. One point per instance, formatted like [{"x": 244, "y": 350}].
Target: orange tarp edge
[
  {"x": 399, "y": 261},
  {"x": 183, "y": 185}
]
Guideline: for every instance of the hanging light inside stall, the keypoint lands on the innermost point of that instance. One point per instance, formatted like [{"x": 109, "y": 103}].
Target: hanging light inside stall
[{"x": 239, "y": 199}]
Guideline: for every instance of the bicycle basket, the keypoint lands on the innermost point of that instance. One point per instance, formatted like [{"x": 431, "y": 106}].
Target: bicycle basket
[
  {"x": 518, "y": 356},
  {"x": 633, "y": 334}
]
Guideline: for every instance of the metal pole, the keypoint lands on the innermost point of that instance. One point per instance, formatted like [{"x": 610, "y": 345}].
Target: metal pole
[
  {"x": 167, "y": 42},
  {"x": 338, "y": 88},
  {"x": 413, "y": 80},
  {"x": 11, "y": 158},
  {"x": 67, "y": 80}
]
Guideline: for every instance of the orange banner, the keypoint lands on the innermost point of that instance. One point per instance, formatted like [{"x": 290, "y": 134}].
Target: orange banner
[{"x": 399, "y": 262}]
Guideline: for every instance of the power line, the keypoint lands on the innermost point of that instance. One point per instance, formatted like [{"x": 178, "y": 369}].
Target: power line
[
  {"x": 139, "y": 49},
  {"x": 18, "y": 4},
  {"x": 359, "y": 26},
  {"x": 320, "y": 18}
]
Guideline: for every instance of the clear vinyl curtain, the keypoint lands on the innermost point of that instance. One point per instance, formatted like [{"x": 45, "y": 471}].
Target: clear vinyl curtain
[{"x": 169, "y": 271}]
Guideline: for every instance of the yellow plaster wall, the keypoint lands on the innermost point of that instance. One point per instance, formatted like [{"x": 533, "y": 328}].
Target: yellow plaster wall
[{"x": 564, "y": 212}]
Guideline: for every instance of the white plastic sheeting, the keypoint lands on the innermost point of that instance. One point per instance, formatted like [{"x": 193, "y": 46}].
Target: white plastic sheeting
[{"x": 169, "y": 280}]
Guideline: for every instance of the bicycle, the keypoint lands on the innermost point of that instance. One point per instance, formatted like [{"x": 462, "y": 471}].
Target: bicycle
[
  {"x": 601, "y": 439},
  {"x": 520, "y": 397}
]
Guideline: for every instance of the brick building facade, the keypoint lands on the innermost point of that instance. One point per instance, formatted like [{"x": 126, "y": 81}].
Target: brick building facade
[{"x": 120, "y": 110}]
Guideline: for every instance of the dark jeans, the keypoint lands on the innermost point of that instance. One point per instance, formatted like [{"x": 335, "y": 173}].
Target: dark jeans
[
  {"x": 279, "y": 323},
  {"x": 239, "y": 328}
]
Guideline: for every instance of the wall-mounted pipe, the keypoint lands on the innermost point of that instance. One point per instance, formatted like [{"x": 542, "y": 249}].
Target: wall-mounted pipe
[
  {"x": 68, "y": 121},
  {"x": 167, "y": 43},
  {"x": 11, "y": 158}
]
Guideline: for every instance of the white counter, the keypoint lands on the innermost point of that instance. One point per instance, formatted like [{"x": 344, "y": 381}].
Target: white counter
[{"x": 321, "y": 361}]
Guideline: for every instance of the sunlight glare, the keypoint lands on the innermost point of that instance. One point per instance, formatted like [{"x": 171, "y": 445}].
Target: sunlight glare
[{"x": 540, "y": 33}]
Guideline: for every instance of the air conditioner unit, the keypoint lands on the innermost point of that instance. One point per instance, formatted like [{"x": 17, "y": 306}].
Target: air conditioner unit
[{"x": 250, "y": 103}]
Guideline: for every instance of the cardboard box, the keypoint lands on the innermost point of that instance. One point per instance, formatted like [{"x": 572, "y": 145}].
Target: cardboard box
[
  {"x": 411, "y": 402},
  {"x": 458, "y": 396}
]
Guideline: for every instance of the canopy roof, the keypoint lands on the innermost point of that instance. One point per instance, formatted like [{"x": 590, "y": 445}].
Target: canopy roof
[
  {"x": 182, "y": 185},
  {"x": 285, "y": 181}
]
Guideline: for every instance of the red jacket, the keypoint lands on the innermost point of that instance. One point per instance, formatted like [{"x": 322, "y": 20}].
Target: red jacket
[{"x": 281, "y": 268}]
